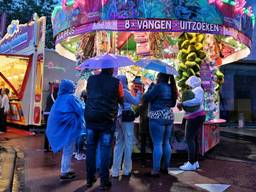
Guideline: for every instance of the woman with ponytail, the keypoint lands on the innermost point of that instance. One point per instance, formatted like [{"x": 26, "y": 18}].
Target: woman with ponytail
[{"x": 161, "y": 97}]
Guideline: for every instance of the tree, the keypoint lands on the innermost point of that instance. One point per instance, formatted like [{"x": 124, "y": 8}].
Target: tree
[{"x": 46, "y": 10}]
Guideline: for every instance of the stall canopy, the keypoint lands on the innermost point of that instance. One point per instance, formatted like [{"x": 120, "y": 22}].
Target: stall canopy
[{"x": 231, "y": 20}]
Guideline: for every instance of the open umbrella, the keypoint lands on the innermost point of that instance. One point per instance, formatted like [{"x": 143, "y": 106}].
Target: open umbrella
[
  {"x": 157, "y": 65},
  {"x": 105, "y": 61}
]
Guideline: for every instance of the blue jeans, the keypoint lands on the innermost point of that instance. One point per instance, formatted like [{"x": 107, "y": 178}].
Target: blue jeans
[
  {"x": 67, "y": 153},
  {"x": 123, "y": 146},
  {"x": 104, "y": 138},
  {"x": 160, "y": 132}
]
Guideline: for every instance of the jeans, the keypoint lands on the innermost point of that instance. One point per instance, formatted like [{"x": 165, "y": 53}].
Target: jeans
[
  {"x": 67, "y": 153},
  {"x": 98, "y": 157},
  {"x": 104, "y": 138},
  {"x": 192, "y": 129},
  {"x": 160, "y": 132},
  {"x": 123, "y": 146}
]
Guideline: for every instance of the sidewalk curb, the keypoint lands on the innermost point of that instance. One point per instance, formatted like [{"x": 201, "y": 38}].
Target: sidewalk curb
[
  {"x": 248, "y": 138},
  {"x": 7, "y": 167}
]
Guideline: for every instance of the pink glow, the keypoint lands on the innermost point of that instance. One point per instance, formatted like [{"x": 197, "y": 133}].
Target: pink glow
[
  {"x": 90, "y": 7},
  {"x": 250, "y": 11},
  {"x": 211, "y": 1},
  {"x": 239, "y": 7}
]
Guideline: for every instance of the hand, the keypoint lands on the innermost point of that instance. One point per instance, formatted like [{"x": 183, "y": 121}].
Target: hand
[{"x": 179, "y": 106}]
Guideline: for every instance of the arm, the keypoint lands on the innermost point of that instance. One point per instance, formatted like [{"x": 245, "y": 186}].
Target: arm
[
  {"x": 76, "y": 105},
  {"x": 131, "y": 99},
  {"x": 151, "y": 94},
  {"x": 120, "y": 94},
  {"x": 5, "y": 104},
  {"x": 198, "y": 100}
]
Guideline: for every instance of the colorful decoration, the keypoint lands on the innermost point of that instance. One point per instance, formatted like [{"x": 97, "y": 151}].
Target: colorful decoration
[
  {"x": 79, "y": 12},
  {"x": 190, "y": 56},
  {"x": 237, "y": 7}
]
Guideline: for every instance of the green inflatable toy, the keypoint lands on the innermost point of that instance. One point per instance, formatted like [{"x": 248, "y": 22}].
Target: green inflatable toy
[{"x": 188, "y": 95}]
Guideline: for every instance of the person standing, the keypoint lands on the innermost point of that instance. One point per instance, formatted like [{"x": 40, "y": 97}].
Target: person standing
[
  {"x": 104, "y": 92},
  {"x": 65, "y": 123},
  {"x": 125, "y": 132},
  {"x": 4, "y": 109},
  {"x": 194, "y": 122},
  {"x": 49, "y": 102},
  {"x": 161, "y": 98}
]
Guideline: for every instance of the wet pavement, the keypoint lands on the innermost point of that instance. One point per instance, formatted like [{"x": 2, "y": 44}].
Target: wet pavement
[{"x": 231, "y": 163}]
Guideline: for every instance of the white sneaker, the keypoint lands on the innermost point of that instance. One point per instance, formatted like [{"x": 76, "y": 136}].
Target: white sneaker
[
  {"x": 80, "y": 157},
  {"x": 197, "y": 165},
  {"x": 188, "y": 167}
]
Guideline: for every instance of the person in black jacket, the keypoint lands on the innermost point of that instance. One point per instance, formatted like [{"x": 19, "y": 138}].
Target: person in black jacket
[
  {"x": 104, "y": 92},
  {"x": 49, "y": 102}
]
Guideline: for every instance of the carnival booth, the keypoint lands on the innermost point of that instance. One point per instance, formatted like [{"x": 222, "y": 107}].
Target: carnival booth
[
  {"x": 26, "y": 68},
  {"x": 195, "y": 37},
  {"x": 22, "y": 57}
]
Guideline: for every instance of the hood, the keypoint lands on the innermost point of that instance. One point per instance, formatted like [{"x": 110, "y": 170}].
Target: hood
[
  {"x": 123, "y": 80},
  {"x": 193, "y": 82},
  {"x": 66, "y": 87}
]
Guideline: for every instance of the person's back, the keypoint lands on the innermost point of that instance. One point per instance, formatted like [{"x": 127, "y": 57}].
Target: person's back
[
  {"x": 102, "y": 100},
  {"x": 104, "y": 92},
  {"x": 163, "y": 98}
]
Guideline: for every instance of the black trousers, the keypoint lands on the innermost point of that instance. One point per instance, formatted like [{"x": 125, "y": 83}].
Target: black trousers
[
  {"x": 192, "y": 130},
  {"x": 3, "y": 120},
  {"x": 145, "y": 140},
  {"x": 46, "y": 142}
]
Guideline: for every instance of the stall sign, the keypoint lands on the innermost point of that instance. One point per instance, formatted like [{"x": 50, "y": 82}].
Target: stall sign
[
  {"x": 17, "y": 42},
  {"x": 154, "y": 25},
  {"x": 232, "y": 13}
]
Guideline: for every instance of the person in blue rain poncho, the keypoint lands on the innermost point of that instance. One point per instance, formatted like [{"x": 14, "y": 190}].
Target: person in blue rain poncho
[{"x": 65, "y": 124}]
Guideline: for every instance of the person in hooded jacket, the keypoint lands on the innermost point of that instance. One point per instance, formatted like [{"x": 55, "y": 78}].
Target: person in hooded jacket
[
  {"x": 194, "y": 122},
  {"x": 65, "y": 123},
  {"x": 49, "y": 102},
  {"x": 161, "y": 98},
  {"x": 125, "y": 133}
]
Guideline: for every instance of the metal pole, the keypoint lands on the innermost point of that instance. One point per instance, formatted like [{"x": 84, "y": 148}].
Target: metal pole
[{"x": 33, "y": 72}]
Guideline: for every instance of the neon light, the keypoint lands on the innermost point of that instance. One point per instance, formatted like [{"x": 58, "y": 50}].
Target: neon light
[
  {"x": 55, "y": 11},
  {"x": 239, "y": 6}
]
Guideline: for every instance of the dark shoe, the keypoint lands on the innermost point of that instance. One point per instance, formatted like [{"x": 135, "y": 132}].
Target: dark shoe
[
  {"x": 105, "y": 186},
  {"x": 68, "y": 176},
  {"x": 115, "y": 177},
  {"x": 154, "y": 175},
  {"x": 164, "y": 171},
  {"x": 128, "y": 176},
  {"x": 91, "y": 182}
]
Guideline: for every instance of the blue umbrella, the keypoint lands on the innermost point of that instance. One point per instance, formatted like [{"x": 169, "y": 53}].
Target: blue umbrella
[
  {"x": 157, "y": 65},
  {"x": 105, "y": 61}
]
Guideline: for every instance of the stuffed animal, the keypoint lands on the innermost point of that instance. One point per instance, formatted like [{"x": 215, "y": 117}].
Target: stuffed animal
[{"x": 188, "y": 95}]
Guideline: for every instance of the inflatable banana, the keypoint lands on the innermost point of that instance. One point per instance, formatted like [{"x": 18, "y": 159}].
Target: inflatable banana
[{"x": 191, "y": 55}]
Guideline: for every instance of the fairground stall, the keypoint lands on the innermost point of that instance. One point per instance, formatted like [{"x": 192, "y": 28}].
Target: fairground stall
[
  {"x": 22, "y": 57},
  {"x": 194, "y": 36},
  {"x": 26, "y": 69}
]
